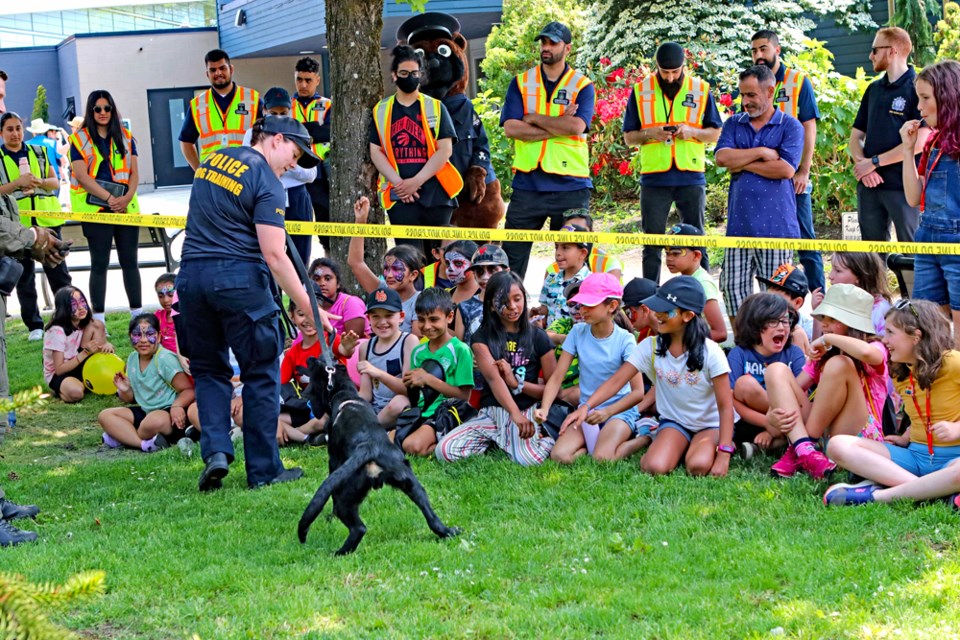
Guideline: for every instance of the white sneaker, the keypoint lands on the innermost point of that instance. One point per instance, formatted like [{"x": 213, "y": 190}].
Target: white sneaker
[{"x": 36, "y": 334}]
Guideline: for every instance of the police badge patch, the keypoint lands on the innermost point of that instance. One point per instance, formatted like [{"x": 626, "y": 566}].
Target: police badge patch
[
  {"x": 561, "y": 97},
  {"x": 689, "y": 102},
  {"x": 241, "y": 110}
]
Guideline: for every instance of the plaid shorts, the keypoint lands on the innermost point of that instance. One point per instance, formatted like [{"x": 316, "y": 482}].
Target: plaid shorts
[{"x": 742, "y": 266}]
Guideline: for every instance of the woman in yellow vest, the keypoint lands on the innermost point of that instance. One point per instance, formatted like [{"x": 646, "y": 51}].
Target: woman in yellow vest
[
  {"x": 35, "y": 189},
  {"x": 411, "y": 141},
  {"x": 103, "y": 160}
]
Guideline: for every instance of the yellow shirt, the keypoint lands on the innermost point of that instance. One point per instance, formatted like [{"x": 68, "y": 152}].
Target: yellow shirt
[{"x": 944, "y": 400}]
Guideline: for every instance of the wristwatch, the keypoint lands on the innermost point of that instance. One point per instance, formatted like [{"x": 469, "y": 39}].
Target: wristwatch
[
  {"x": 726, "y": 448},
  {"x": 875, "y": 160}
]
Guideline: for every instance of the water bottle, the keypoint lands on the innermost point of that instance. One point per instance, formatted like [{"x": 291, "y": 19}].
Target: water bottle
[{"x": 25, "y": 168}]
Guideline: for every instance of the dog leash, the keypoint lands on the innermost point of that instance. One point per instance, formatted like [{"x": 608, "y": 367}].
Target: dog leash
[{"x": 326, "y": 355}]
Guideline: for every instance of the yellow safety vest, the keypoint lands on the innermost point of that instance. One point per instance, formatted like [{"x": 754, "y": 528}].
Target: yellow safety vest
[
  {"x": 560, "y": 155},
  {"x": 41, "y": 199},
  {"x": 656, "y": 110},
  {"x": 448, "y": 176},
  {"x": 315, "y": 111},
  {"x": 218, "y": 129},
  {"x": 120, "y": 167},
  {"x": 786, "y": 97}
]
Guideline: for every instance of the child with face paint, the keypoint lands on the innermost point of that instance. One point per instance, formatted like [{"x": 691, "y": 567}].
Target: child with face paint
[
  {"x": 435, "y": 273},
  {"x": 401, "y": 269},
  {"x": 764, "y": 335},
  {"x": 158, "y": 385},
  {"x": 457, "y": 256},
  {"x": 510, "y": 352},
  {"x": 486, "y": 261},
  {"x": 72, "y": 336}
]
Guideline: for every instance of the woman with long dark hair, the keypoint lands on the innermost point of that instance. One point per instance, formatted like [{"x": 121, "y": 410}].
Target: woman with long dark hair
[{"x": 103, "y": 158}]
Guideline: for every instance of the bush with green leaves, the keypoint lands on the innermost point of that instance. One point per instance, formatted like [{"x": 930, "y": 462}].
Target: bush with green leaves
[
  {"x": 24, "y": 606},
  {"x": 947, "y": 35},
  {"x": 914, "y": 17}
]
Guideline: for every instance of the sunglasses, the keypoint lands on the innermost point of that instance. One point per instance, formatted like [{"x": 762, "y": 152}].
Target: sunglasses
[
  {"x": 904, "y": 303},
  {"x": 136, "y": 335},
  {"x": 874, "y": 50},
  {"x": 105, "y": 109},
  {"x": 166, "y": 292}
]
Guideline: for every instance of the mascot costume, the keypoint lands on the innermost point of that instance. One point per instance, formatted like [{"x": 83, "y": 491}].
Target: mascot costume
[{"x": 447, "y": 73}]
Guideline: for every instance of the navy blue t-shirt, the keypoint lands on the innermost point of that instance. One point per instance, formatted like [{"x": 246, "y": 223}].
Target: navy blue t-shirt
[
  {"x": 674, "y": 177},
  {"x": 539, "y": 180},
  {"x": 103, "y": 144},
  {"x": 747, "y": 362},
  {"x": 233, "y": 191}
]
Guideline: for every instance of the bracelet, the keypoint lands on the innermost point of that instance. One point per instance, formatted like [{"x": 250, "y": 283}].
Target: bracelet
[
  {"x": 726, "y": 448},
  {"x": 585, "y": 404}
]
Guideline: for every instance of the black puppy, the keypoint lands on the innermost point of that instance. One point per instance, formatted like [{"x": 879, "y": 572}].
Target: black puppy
[{"x": 361, "y": 458}]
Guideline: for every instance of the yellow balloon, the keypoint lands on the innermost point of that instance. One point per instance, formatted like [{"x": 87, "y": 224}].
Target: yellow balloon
[{"x": 98, "y": 372}]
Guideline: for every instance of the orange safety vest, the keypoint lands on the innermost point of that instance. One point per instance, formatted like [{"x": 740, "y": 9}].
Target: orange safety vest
[
  {"x": 656, "y": 110},
  {"x": 218, "y": 129},
  {"x": 786, "y": 97},
  {"x": 120, "y": 168},
  {"x": 315, "y": 111},
  {"x": 430, "y": 108}
]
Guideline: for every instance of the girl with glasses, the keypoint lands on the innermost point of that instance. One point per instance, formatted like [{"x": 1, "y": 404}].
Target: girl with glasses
[
  {"x": 157, "y": 383},
  {"x": 848, "y": 363},
  {"x": 104, "y": 177},
  {"x": 69, "y": 339}
]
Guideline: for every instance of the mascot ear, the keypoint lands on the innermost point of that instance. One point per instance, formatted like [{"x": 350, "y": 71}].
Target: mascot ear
[{"x": 460, "y": 41}]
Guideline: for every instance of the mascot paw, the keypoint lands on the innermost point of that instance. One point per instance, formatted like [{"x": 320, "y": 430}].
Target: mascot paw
[{"x": 476, "y": 183}]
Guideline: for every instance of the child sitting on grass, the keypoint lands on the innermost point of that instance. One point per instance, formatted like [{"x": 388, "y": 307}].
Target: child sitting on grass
[
  {"x": 921, "y": 464},
  {"x": 763, "y": 336},
  {"x": 790, "y": 283},
  {"x": 486, "y": 261},
  {"x": 385, "y": 358},
  {"x": 448, "y": 354},
  {"x": 69, "y": 339},
  {"x": 685, "y": 260},
  {"x": 156, "y": 382},
  {"x": 572, "y": 266}
]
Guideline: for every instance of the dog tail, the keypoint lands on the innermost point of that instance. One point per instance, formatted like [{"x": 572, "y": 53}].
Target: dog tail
[{"x": 334, "y": 480}]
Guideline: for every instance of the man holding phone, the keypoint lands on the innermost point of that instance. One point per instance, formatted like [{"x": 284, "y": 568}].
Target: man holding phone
[{"x": 671, "y": 118}]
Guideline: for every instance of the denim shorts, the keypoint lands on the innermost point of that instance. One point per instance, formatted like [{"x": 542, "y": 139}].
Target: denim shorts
[
  {"x": 676, "y": 426},
  {"x": 915, "y": 457},
  {"x": 937, "y": 278}
]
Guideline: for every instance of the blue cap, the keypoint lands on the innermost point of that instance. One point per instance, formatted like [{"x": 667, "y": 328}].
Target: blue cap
[{"x": 684, "y": 292}]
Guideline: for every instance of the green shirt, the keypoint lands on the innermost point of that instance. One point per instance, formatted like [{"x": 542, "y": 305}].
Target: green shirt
[{"x": 454, "y": 357}]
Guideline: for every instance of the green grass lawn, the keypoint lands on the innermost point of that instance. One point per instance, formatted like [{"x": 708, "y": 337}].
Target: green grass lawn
[{"x": 590, "y": 550}]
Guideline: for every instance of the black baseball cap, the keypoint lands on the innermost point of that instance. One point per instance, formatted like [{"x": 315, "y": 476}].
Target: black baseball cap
[
  {"x": 638, "y": 290},
  {"x": 490, "y": 254},
  {"x": 276, "y": 97},
  {"x": 790, "y": 279},
  {"x": 556, "y": 32},
  {"x": 684, "y": 292},
  {"x": 384, "y": 298},
  {"x": 684, "y": 229},
  {"x": 296, "y": 133}
]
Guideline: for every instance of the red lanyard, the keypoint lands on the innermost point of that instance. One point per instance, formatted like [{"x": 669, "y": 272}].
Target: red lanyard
[
  {"x": 928, "y": 171},
  {"x": 926, "y": 418}
]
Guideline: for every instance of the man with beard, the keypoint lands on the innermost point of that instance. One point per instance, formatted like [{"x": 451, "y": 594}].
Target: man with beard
[
  {"x": 794, "y": 96},
  {"x": 671, "y": 117},
  {"x": 547, "y": 113},
  {"x": 761, "y": 147},
  {"x": 875, "y": 144},
  {"x": 220, "y": 115}
]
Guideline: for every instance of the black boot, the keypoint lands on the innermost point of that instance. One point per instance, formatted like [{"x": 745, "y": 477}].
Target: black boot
[
  {"x": 14, "y": 511},
  {"x": 10, "y": 535},
  {"x": 212, "y": 476}
]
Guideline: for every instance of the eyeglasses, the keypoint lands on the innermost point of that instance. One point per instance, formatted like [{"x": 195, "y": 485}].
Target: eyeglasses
[
  {"x": 166, "y": 292},
  {"x": 408, "y": 74},
  {"x": 103, "y": 109},
  {"x": 905, "y": 303},
  {"x": 873, "y": 50},
  {"x": 773, "y": 324},
  {"x": 137, "y": 335}
]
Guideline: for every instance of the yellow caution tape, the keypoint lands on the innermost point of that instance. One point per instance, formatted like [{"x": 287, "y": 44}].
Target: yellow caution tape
[{"x": 349, "y": 230}]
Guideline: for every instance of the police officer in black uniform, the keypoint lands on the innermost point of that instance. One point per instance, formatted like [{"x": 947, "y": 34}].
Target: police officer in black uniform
[{"x": 235, "y": 241}]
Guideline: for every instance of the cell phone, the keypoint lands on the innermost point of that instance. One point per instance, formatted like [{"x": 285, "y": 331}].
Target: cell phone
[{"x": 671, "y": 128}]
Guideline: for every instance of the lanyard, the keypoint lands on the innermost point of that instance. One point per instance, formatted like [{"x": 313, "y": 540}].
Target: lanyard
[
  {"x": 667, "y": 106},
  {"x": 927, "y": 419},
  {"x": 928, "y": 171}
]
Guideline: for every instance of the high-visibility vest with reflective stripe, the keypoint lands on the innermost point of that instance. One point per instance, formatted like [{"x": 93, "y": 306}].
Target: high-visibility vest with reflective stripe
[
  {"x": 41, "y": 200},
  {"x": 560, "y": 155},
  {"x": 786, "y": 97},
  {"x": 119, "y": 168},
  {"x": 448, "y": 176},
  {"x": 218, "y": 130},
  {"x": 315, "y": 111},
  {"x": 687, "y": 107}
]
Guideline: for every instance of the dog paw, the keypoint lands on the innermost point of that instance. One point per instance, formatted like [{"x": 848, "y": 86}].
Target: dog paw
[{"x": 450, "y": 532}]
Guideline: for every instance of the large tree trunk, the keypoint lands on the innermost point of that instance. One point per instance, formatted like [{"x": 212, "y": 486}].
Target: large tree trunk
[{"x": 353, "y": 38}]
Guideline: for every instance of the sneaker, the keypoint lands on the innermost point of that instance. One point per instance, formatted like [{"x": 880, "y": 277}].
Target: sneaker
[
  {"x": 748, "y": 450},
  {"x": 14, "y": 511},
  {"x": 848, "y": 494},
  {"x": 317, "y": 439},
  {"x": 10, "y": 535},
  {"x": 817, "y": 465},
  {"x": 192, "y": 433},
  {"x": 954, "y": 501},
  {"x": 110, "y": 441},
  {"x": 36, "y": 334},
  {"x": 787, "y": 466}
]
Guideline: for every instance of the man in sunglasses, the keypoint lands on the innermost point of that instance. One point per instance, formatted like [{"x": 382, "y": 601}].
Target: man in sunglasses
[{"x": 875, "y": 144}]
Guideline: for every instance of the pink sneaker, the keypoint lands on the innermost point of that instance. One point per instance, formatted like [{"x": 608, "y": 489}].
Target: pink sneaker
[
  {"x": 817, "y": 465},
  {"x": 788, "y": 464}
]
